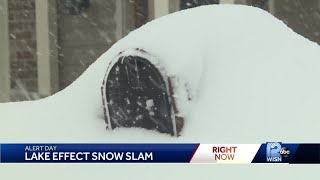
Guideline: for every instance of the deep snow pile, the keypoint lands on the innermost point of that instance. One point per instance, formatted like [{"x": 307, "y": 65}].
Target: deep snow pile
[{"x": 251, "y": 77}]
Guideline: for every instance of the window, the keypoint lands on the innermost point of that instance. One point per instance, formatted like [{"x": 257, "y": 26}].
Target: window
[
  {"x": 72, "y": 7},
  {"x": 138, "y": 95},
  {"x": 185, "y": 4}
]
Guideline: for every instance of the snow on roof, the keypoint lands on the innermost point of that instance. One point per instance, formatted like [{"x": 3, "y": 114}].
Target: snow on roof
[{"x": 252, "y": 79}]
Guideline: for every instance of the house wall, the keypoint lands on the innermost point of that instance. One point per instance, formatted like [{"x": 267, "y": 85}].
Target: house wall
[
  {"x": 22, "y": 48},
  {"x": 58, "y": 48},
  {"x": 84, "y": 37},
  {"x": 300, "y": 15}
]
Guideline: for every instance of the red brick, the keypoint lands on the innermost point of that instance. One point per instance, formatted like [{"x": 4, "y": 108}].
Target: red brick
[
  {"x": 24, "y": 74},
  {"x": 32, "y": 85},
  {"x": 15, "y": 27},
  {"x": 24, "y": 55},
  {"x": 23, "y": 35},
  {"x": 26, "y": 44},
  {"x": 31, "y": 26},
  {"x": 11, "y": 16},
  {"x": 11, "y": 5}
]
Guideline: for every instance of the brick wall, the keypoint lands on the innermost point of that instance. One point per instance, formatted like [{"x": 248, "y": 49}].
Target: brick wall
[
  {"x": 302, "y": 16},
  {"x": 22, "y": 40},
  {"x": 84, "y": 37}
]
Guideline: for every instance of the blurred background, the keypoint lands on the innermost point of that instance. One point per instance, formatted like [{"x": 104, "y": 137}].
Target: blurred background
[{"x": 46, "y": 44}]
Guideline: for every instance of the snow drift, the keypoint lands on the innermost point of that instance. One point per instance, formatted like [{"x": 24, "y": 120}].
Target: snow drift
[{"x": 252, "y": 79}]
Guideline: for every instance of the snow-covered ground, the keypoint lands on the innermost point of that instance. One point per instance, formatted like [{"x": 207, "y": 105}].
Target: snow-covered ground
[{"x": 251, "y": 77}]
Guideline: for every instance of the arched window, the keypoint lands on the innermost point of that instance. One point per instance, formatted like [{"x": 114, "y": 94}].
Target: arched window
[{"x": 137, "y": 95}]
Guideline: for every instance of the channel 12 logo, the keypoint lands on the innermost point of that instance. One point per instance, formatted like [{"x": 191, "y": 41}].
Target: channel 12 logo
[{"x": 275, "y": 152}]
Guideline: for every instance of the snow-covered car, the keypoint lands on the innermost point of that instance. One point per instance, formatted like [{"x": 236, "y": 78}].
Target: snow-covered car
[{"x": 227, "y": 74}]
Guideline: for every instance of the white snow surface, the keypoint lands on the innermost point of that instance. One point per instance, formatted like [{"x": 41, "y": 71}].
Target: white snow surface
[{"x": 251, "y": 78}]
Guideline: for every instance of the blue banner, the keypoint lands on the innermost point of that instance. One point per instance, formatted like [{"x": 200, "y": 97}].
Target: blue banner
[
  {"x": 270, "y": 152},
  {"x": 96, "y": 153},
  {"x": 277, "y": 152}
]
